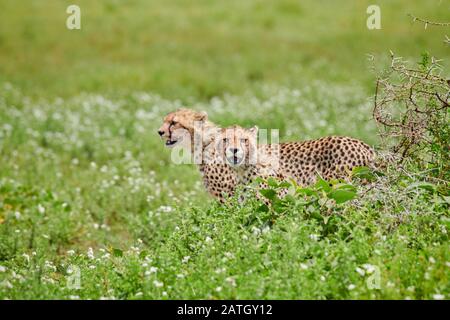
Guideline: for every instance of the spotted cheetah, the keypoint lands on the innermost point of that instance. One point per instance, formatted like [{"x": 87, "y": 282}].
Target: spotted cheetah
[
  {"x": 178, "y": 128},
  {"x": 329, "y": 157},
  {"x": 240, "y": 151}
]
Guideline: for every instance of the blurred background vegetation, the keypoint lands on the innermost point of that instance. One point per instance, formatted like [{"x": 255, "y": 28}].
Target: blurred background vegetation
[{"x": 204, "y": 48}]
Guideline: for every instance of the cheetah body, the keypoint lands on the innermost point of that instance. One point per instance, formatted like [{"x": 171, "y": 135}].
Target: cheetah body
[{"x": 330, "y": 157}]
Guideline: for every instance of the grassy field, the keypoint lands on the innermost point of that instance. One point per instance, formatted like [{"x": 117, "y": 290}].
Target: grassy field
[{"x": 87, "y": 187}]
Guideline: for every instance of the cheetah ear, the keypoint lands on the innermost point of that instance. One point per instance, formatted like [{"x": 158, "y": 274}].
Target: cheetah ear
[
  {"x": 202, "y": 116},
  {"x": 254, "y": 130}
]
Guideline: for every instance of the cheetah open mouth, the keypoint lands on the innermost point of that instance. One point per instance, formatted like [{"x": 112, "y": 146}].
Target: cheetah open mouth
[{"x": 171, "y": 143}]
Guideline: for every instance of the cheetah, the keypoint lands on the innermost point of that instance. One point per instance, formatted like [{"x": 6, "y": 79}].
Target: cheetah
[
  {"x": 178, "y": 128},
  {"x": 240, "y": 151},
  {"x": 330, "y": 157}
]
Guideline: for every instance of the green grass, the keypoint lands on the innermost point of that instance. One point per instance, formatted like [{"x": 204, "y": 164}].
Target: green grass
[
  {"x": 176, "y": 48},
  {"x": 81, "y": 165}
]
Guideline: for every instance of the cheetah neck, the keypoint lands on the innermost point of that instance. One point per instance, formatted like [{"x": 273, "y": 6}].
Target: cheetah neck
[
  {"x": 207, "y": 153},
  {"x": 263, "y": 168}
]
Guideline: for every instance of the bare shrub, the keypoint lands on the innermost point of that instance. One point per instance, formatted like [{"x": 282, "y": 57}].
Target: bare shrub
[{"x": 411, "y": 109}]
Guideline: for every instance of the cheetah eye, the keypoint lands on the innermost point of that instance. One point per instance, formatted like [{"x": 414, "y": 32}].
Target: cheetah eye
[
  {"x": 172, "y": 123},
  {"x": 244, "y": 140},
  {"x": 225, "y": 140}
]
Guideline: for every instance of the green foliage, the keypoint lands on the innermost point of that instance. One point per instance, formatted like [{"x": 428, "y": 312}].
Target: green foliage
[{"x": 175, "y": 48}]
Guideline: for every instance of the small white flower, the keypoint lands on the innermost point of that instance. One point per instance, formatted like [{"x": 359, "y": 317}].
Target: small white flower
[
  {"x": 158, "y": 284},
  {"x": 165, "y": 209},
  {"x": 208, "y": 240},
  {"x": 360, "y": 271},
  {"x": 314, "y": 237},
  {"x": 431, "y": 259},
  {"x": 231, "y": 281},
  {"x": 106, "y": 256},
  {"x": 90, "y": 253},
  {"x": 438, "y": 297},
  {"x": 74, "y": 297},
  {"x": 164, "y": 294},
  {"x": 186, "y": 259},
  {"x": 322, "y": 278},
  {"x": 41, "y": 209},
  {"x": 17, "y": 215},
  {"x": 220, "y": 270},
  {"x": 351, "y": 287},
  {"x": 26, "y": 257},
  {"x": 2, "y": 269},
  {"x": 369, "y": 268},
  {"x": 303, "y": 266},
  {"x": 447, "y": 264},
  {"x": 91, "y": 267},
  {"x": 153, "y": 269},
  {"x": 70, "y": 252},
  {"x": 218, "y": 289},
  {"x": 229, "y": 255},
  {"x": 7, "y": 284},
  {"x": 180, "y": 276}
]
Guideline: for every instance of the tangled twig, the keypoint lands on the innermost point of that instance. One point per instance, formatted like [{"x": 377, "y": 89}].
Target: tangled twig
[{"x": 411, "y": 108}]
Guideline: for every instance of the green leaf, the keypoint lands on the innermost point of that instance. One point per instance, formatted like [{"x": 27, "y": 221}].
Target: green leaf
[
  {"x": 362, "y": 173},
  {"x": 143, "y": 254},
  {"x": 272, "y": 182},
  {"x": 322, "y": 185},
  {"x": 285, "y": 184},
  {"x": 344, "y": 186},
  {"x": 422, "y": 185},
  {"x": 258, "y": 180},
  {"x": 278, "y": 206},
  {"x": 342, "y": 195},
  {"x": 117, "y": 252},
  {"x": 268, "y": 193},
  {"x": 262, "y": 208},
  {"x": 307, "y": 191},
  {"x": 289, "y": 198}
]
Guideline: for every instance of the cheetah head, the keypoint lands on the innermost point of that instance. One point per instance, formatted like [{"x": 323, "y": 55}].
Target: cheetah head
[
  {"x": 238, "y": 145},
  {"x": 178, "y": 126}
]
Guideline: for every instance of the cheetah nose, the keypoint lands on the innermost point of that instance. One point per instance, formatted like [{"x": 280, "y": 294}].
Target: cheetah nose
[
  {"x": 234, "y": 150},
  {"x": 160, "y": 132}
]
